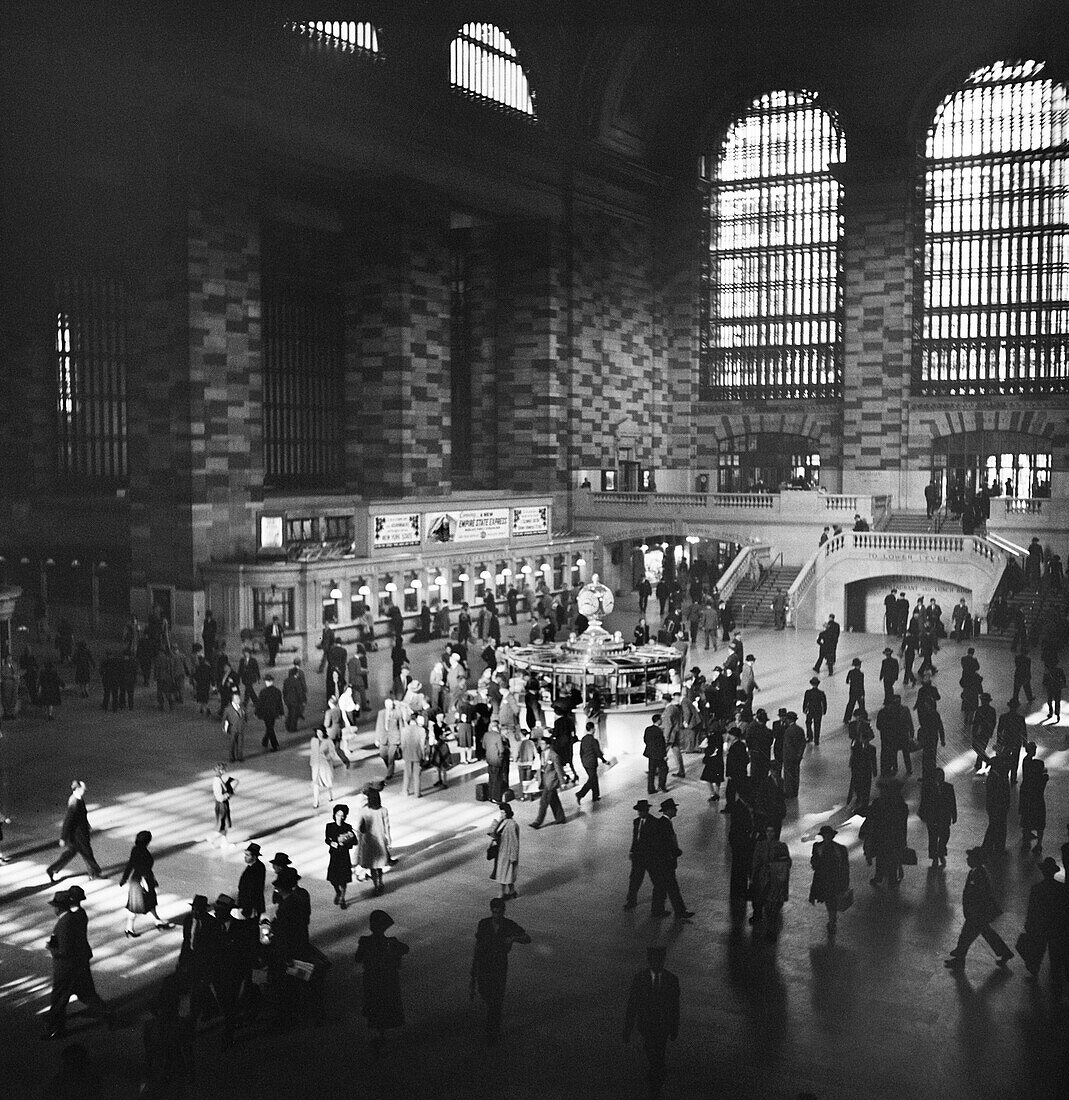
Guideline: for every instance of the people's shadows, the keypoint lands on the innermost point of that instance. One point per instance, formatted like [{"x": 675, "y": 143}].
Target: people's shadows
[
  {"x": 975, "y": 1030},
  {"x": 758, "y": 987},
  {"x": 934, "y": 914},
  {"x": 549, "y": 880},
  {"x": 834, "y": 981}
]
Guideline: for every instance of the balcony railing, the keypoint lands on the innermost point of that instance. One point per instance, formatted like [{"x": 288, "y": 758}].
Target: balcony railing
[{"x": 800, "y": 507}]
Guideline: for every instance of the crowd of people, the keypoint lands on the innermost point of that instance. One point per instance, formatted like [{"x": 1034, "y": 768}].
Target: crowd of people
[{"x": 243, "y": 961}]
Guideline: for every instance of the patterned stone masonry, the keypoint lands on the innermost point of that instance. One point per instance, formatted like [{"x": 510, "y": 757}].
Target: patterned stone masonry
[
  {"x": 487, "y": 285},
  {"x": 928, "y": 422},
  {"x": 197, "y": 461},
  {"x": 531, "y": 374},
  {"x": 401, "y": 353},
  {"x": 877, "y": 315},
  {"x": 617, "y": 371}
]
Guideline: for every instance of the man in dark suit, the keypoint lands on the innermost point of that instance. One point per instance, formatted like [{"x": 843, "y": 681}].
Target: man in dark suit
[
  {"x": 248, "y": 675},
  {"x": 251, "y": 884},
  {"x": 69, "y": 946},
  {"x": 653, "y": 1008},
  {"x": 494, "y": 937},
  {"x": 889, "y": 670},
  {"x": 855, "y": 682},
  {"x": 233, "y": 945},
  {"x": 663, "y": 860},
  {"x": 590, "y": 755},
  {"x": 814, "y": 707},
  {"x": 273, "y": 639},
  {"x": 656, "y": 754},
  {"x": 195, "y": 959},
  {"x": 269, "y": 709},
  {"x": 641, "y": 836},
  {"x": 74, "y": 835}
]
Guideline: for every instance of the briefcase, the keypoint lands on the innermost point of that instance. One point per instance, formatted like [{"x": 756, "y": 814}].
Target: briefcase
[
  {"x": 482, "y": 792},
  {"x": 909, "y": 857},
  {"x": 508, "y": 795}
]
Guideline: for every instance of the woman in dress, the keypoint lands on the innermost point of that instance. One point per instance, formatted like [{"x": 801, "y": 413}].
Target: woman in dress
[
  {"x": 505, "y": 843},
  {"x": 713, "y": 759},
  {"x": 48, "y": 689},
  {"x": 340, "y": 838},
  {"x": 373, "y": 839},
  {"x": 381, "y": 958},
  {"x": 141, "y": 895},
  {"x": 464, "y": 730}
]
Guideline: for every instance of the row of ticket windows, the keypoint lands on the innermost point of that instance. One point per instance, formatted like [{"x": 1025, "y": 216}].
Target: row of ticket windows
[{"x": 348, "y": 601}]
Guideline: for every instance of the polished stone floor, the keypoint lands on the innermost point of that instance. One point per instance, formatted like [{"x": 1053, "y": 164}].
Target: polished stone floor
[{"x": 874, "y": 1015}]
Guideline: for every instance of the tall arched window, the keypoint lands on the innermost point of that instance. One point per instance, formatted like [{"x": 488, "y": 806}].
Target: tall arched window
[
  {"x": 482, "y": 63},
  {"x": 771, "y": 302},
  {"x": 996, "y": 253}
]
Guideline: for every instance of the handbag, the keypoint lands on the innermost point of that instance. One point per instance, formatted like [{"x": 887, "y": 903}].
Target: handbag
[
  {"x": 492, "y": 848},
  {"x": 845, "y": 900},
  {"x": 909, "y": 857},
  {"x": 1031, "y": 949}
]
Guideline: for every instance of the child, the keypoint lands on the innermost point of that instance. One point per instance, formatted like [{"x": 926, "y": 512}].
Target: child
[{"x": 441, "y": 754}]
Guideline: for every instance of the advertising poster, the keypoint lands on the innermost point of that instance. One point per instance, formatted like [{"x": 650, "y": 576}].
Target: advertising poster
[
  {"x": 396, "y": 530},
  {"x": 530, "y": 521}
]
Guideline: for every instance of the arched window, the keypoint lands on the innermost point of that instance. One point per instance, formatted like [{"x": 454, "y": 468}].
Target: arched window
[
  {"x": 357, "y": 37},
  {"x": 771, "y": 324},
  {"x": 996, "y": 253},
  {"x": 482, "y": 62}
]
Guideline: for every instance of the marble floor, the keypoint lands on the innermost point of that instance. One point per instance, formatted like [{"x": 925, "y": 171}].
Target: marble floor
[{"x": 873, "y": 1015}]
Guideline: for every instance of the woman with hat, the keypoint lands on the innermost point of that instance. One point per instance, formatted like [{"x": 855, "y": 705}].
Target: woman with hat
[
  {"x": 381, "y": 957},
  {"x": 979, "y": 907},
  {"x": 339, "y": 838},
  {"x": 831, "y": 875},
  {"x": 251, "y": 883},
  {"x": 373, "y": 838},
  {"x": 504, "y": 850},
  {"x": 141, "y": 895},
  {"x": 713, "y": 757}
]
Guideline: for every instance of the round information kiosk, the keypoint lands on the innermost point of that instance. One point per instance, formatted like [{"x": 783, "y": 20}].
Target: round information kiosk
[{"x": 631, "y": 681}]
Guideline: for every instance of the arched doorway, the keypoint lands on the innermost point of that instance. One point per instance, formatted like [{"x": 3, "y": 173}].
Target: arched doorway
[
  {"x": 765, "y": 461},
  {"x": 1014, "y": 464}
]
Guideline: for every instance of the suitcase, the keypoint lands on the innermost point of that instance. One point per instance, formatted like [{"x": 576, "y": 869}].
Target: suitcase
[
  {"x": 529, "y": 789},
  {"x": 508, "y": 795},
  {"x": 482, "y": 792}
]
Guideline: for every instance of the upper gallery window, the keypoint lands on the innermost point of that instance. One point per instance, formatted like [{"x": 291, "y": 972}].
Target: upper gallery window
[
  {"x": 482, "y": 62},
  {"x": 357, "y": 37},
  {"x": 772, "y": 295},
  {"x": 91, "y": 373},
  {"x": 995, "y": 276}
]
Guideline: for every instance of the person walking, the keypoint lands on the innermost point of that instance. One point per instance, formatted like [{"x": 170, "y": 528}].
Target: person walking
[
  {"x": 494, "y": 938},
  {"x": 413, "y": 746},
  {"x": 270, "y": 707},
  {"x": 1054, "y": 686},
  {"x": 388, "y": 724},
  {"x": 1022, "y": 677},
  {"x": 49, "y": 688},
  {"x": 938, "y": 810},
  {"x": 827, "y": 645},
  {"x": 1031, "y": 801},
  {"x": 294, "y": 696},
  {"x": 223, "y": 786},
  {"x": 1046, "y": 925},
  {"x": 831, "y": 876},
  {"x": 84, "y": 664},
  {"x": 655, "y": 750},
  {"x": 550, "y": 783},
  {"x": 794, "y": 746},
  {"x": 889, "y": 671},
  {"x": 74, "y": 834},
  {"x": 884, "y": 832},
  {"x": 981, "y": 730},
  {"x": 895, "y": 725},
  {"x": 663, "y": 859},
  {"x": 979, "y": 908},
  {"x": 642, "y": 830},
  {"x": 862, "y": 764},
  {"x": 653, "y": 1010},
  {"x": 248, "y": 675},
  {"x": 504, "y": 850},
  {"x": 497, "y": 753},
  {"x": 251, "y": 884},
  {"x": 234, "y": 728},
  {"x": 713, "y": 759},
  {"x": 1010, "y": 737},
  {"x": 71, "y": 976},
  {"x": 141, "y": 894},
  {"x": 855, "y": 682},
  {"x": 373, "y": 839},
  {"x": 814, "y": 707},
  {"x": 322, "y": 759},
  {"x": 590, "y": 756},
  {"x": 380, "y": 956},
  {"x": 339, "y": 839},
  {"x": 273, "y": 637}
]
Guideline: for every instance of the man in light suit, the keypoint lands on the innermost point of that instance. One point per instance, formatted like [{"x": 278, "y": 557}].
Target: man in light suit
[{"x": 653, "y": 1008}]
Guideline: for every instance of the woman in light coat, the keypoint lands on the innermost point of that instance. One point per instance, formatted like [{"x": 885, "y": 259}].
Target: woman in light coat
[
  {"x": 322, "y": 759},
  {"x": 506, "y": 831},
  {"x": 373, "y": 839},
  {"x": 456, "y": 682}
]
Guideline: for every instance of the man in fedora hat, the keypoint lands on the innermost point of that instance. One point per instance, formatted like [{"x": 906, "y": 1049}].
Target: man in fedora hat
[
  {"x": 889, "y": 670},
  {"x": 979, "y": 907},
  {"x": 855, "y": 682},
  {"x": 814, "y": 707},
  {"x": 234, "y": 944},
  {"x": 663, "y": 859},
  {"x": 831, "y": 875},
  {"x": 653, "y": 1010},
  {"x": 70, "y": 950},
  {"x": 74, "y": 834},
  {"x": 1047, "y": 925},
  {"x": 494, "y": 937},
  {"x": 639, "y": 854},
  {"x": 251, "y": 883}
]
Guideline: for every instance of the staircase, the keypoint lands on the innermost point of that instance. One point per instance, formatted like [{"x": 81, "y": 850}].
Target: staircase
[
  {"x": 913, "y": 523},
  {"x": 754, "y": 601}
]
